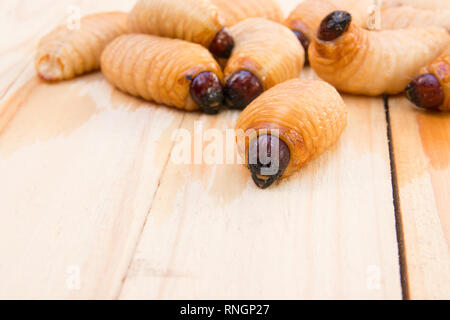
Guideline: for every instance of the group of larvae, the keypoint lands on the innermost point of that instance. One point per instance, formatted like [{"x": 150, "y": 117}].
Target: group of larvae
[{"x": 203, "y": 54}]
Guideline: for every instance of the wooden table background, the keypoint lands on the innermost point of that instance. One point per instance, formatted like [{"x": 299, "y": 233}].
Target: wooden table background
[{"x": 91, "y": 206}]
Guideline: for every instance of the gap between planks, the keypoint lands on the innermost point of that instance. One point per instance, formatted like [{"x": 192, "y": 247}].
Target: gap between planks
[
  {"x": 397, "y": 211},
  {"x": 420, "y": 150}
]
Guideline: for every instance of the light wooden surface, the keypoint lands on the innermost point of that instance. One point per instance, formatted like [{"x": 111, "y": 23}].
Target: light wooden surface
[
  {"x": 421, "y": 142},
  {"x": 212, "y": 234},
  {"x": 89, "y": 191}
]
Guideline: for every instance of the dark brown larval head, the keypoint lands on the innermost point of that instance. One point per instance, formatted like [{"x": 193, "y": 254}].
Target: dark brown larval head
[
  {"x": 334, "y": 25},
  {"x": 206, "y": 90},
  {"x": 223, "y": 44},
  {"x": 425, "y": 91},
  {"x": 304, "y": 40},
  {"x": 268, "y": 158},
  {"x": 242, "y": 88}
]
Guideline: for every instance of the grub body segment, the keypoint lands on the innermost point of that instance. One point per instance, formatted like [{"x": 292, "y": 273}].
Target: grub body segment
[
  {"x": 267, "y": 50},
  {"x": 196, "y": 21},
  {"x": 309, "y": 115},
  {"x": 64, "y": 53},
  {"x": 375, "y": 63},
  {"x": 157, "y": 69},
  {"x": 308, "y": 15}
]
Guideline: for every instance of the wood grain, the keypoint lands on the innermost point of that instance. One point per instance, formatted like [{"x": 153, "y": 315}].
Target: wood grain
[
  {"x": 320, "y": 234},
  {"x": 421, "y": 144},
  {"x": 88, "y": 186},
  {"x": 80, "y": 164}
]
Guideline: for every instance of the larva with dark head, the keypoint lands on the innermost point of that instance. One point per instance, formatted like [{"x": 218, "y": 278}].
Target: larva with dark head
[
  {"x": 288, "y": 126},
  {"x": 305, "y": 19},
  {"x": 431, "y": 89},
  {"x": 359, "y": 61},
  {"x": 64, "y": 53},
  {"x": 266, "y": 54},
  {"x": 198, "y": 21},
  {"x": 169, "y": 71}
]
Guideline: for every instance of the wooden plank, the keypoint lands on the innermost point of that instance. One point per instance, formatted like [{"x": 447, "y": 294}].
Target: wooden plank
[
  {"x": 327, "y": 232},
  {"x": 421, "y": 145},
  {"x": 80, "y": 164}
]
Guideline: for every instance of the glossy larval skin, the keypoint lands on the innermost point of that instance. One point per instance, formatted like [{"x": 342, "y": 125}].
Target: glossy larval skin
[
  {"x": 309, "y": 115},
  {"x": 439, "y": 71},
  {"x": 158, "y": 69},
  {"x": 407, "y": 17},
  {"x": 374, "y": 63},
  {"x": 197, "y": 21},
  {"x": 307, "y": 16},
  {"x": 65, "y": 53},
  {"x": 267, "y": 50},
  {"x": 235, "y": 11}
]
